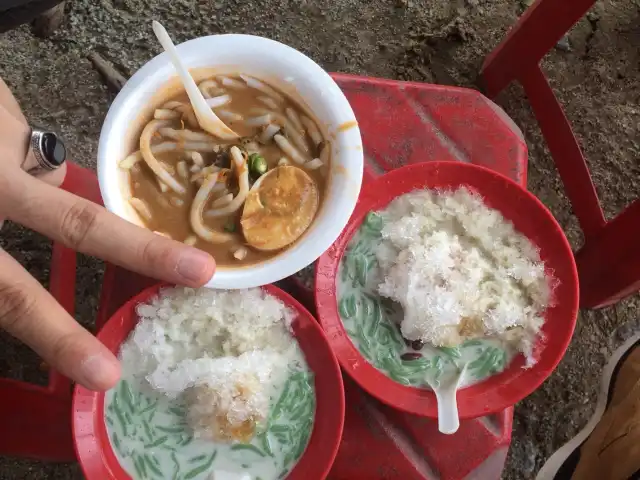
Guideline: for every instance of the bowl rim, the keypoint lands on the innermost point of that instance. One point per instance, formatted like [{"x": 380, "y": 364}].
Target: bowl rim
[
  {"x": 491, "y": 395},
  {"x": 92, "y": 445},
  {"x": 326, "y": 226}
]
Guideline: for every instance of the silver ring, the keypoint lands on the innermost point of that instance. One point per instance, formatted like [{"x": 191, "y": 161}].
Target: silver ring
[{"x": 47, "y": 149}]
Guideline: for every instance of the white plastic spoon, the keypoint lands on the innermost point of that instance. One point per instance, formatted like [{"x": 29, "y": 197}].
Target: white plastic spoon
[
  {"x": 448, "y": 419},
  {"x": 208, "y": 120}
]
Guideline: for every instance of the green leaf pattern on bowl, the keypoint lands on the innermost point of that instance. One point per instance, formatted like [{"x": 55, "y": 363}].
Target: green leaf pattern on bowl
[
  {"x": 151, "y": 437},
  {"x": 371, "y": 322}
]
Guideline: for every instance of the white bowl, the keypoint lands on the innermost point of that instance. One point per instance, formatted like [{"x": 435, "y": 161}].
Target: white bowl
[{"x": 293, "y": 73}]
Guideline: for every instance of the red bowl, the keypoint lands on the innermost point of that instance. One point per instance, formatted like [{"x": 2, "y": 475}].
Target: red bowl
[
  {"x": 93, "y": 448},
  {"x": 530, "y": 217}
]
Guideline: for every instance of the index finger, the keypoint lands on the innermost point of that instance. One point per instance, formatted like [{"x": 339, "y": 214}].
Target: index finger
[
  {"x": 31, "y": 314},
  {"x": 88, "y": 228}
]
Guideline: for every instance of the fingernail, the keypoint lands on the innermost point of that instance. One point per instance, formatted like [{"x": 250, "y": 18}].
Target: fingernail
[
  {"x": 195, "y": 266},
  {"x": 98, "y": 372}
]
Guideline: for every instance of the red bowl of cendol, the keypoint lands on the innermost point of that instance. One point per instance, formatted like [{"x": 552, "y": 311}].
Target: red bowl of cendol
[
  {"x": 128, "y": 433},
  {"x": 448, "y": 268}
]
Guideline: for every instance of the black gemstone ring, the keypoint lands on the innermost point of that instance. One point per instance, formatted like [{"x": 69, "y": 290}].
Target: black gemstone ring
[{"x": 48, "y": 150}]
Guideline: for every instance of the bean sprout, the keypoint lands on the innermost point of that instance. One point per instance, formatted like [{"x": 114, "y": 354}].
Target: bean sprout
[{"x": 242, "y": 171}]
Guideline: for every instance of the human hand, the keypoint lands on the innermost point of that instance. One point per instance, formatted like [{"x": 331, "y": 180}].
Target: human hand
[{"x": 27, "y": 310}]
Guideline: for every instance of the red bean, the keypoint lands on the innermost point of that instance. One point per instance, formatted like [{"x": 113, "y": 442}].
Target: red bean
[
  {"x": 411, "y": 356},
  {"x": 417, "y": 344}
]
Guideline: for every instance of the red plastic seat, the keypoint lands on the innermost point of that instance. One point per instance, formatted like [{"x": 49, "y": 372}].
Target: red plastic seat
[
  {"x": 36, "y": 420},
  {"x": 609, "y": 262}
]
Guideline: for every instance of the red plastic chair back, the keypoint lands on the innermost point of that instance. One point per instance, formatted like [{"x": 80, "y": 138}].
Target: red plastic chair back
[{"x": 609, "y": 262}]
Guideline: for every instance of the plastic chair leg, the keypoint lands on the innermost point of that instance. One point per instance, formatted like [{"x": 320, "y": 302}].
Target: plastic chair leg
[
  {"x": 536, "y": 33},
  {"x": 35, "y": 423},
  {"x": 609, "y": 263},
  {"x": 565, "y": 151}
]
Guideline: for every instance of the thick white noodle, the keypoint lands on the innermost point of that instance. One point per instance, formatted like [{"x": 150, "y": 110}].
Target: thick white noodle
[
  {"x": 165, "y": 114},
  {"x": 312, "y": 130},
  {"x": 195, "y": 216},
  {"x": 162, "y": 186},
  {"x": 231, "y": 83},
  {"x": 141, "y": 207},
  {"x": 269, "y": 102},
  {"x": 260, "y": 121},
  {"x": 187, "y": 135},
  {"x": 325, "y": 153},
  {"x": 206, "y": 88},
  {"x": 148, "y": 156},
  {"x": 165, "y": 147},
  {"x": 229, "y": 116},
  {"x": 197, "y": 159},
  {"x": 292, "y": 115},
  {"x": 313, "y": 164},
  {"x": 290, "y": 129},
  {"x": 263, "y": 87},
  {"x": 289, "y": 150},
  {"x": 222, "y": 201},
  {"x": 269, "y": 131},
  {"x": 219, "y": 101}
]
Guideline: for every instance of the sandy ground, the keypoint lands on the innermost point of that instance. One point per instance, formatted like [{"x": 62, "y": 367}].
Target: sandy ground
[{"x": 596, "y": 74}]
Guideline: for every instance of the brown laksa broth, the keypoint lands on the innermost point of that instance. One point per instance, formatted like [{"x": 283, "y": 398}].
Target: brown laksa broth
[{"x": 243, "y": 200}]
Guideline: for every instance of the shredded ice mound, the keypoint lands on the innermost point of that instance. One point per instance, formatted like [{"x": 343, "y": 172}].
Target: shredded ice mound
[
  {"x": 226, "y": 395},
  {"x": 221, "y": 351},
  {"x": 460, "y": 271}
]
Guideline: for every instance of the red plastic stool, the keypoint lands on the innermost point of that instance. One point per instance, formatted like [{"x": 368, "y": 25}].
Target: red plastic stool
[
  {"x": 35, "y": 421},
  {"x": 609, "y": 262},
  {"x": 401, "y": 123}
]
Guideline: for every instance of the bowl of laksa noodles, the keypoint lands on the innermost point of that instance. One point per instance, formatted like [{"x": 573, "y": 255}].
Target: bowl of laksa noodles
[
  {"x": 266, "y": 195},
  {"x": 452, "y": 293},
  {"x": 216, "y": 385}
]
